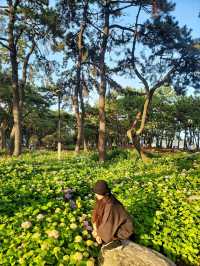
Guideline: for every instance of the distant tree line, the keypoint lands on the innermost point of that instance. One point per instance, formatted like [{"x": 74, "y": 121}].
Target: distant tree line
[{"x": 173, "y": 122}]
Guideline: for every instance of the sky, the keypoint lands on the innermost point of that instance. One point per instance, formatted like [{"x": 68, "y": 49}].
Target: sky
[{"x": 186, "y": 12}]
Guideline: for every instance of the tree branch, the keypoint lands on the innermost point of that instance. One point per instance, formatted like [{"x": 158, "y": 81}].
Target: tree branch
[
  {"x": 26, "y": 60},
  {"x": 146, "y": 85},
  {"x": 133, "y": 54},
  {"x": 166, "y": 77},
  {"x": 18, "y": 36},
  {"x": 120, "y": 27},
  {"x": 123, "y": 2},
  {"x": 3, "y": 39},
  {"x": 121, "y": 8},
  {"x": 5, "y": 46},
  {"x": 114, "y": 83},
  {"x": 25, "y": 115},
  {"x": 10, "y": 2},
  {"x": 135, "y": 36},
  {"x": 16, "y": 3},
  {"x": 99, "y": 30}
]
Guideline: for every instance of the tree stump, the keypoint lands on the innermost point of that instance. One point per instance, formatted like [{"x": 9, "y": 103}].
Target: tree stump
[{"x": 131, "y": 254}]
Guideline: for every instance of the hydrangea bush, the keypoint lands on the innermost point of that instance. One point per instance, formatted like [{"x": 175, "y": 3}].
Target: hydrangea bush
[{"x": 45, "y": 206}]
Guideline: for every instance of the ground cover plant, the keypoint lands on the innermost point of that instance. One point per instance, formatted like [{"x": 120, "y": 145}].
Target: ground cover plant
[{"x": 45, "y": 205}]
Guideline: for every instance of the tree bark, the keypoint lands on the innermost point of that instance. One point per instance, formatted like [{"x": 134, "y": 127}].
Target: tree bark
[
  {"x": 161, "y": 140},
  {"x": 85, "y": 145},
  {"x": 78, "y": 122},
  {"x": 179, "y": 139},
  {"x": 185, "y": 140},
  {"x": 149, "y": 92},
  {"x": 102, "y": 126},
  {"x": 15, "y": 86},
  {"x": 82, "y": 118},
  {"x": 17, "y": 122},
  {"x": 78, "y": 89},
  {"x": 136, "y": 141},
  {"x": 198, "y": 140},
  {"x": 76, "y": 101},
  {"x": 2, "y": 135},
  {"x": 102, "y": 88},
  {"x": 12, "y": 140},
  {"x": 24, "y": 79}
]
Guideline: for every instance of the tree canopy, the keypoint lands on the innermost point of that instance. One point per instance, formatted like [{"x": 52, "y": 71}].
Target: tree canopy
[{"x": 71, "y": 50}]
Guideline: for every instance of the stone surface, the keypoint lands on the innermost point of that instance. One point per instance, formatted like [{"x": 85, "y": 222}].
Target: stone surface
[{"x": 131, "y": 254}]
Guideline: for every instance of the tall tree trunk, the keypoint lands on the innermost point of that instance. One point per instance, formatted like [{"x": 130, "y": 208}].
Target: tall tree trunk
[
  {"x": 157, "y": 141},
  {"x": 179, "y": 138},
  {"x": 194, "y": 138},
  {"x": 185, "y": 140},
  {"x": 171, "y": 142},
  {"x": 168, "y": 142},
  {"x": 24, "y": 79},
  {"x": 17, "y": 121},
  {"x": 15, "y": 86},
  {"x": 76, "y": 104},
  {"x": 102, "y": 88},
  {"x": 82, "y": 118},
  {"x": 77, "y": 96},
  {"x": 198, "y": 140},
  {"x": 78, "y": 122},
  {"x": 2, "y": 135},
  {"x": 79, "y": 87},
  {"x": 102, "y": 125},
  {"x": 85, "y": 145},
  {"x": 161, "y": 140},
  {"x": 12, "y": 140}
]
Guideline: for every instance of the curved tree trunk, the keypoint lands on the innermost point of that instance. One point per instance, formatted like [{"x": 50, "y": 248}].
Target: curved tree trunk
[
  {"x": 134, "y": 135},
  {"x": 141, "y": 129}
]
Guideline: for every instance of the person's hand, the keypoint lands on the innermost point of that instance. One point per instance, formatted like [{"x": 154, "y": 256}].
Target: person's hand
[
  {"x": 94, "y": 233},
  {"x": 94, "y": 226},
  {"x": 98, "y": 239}
]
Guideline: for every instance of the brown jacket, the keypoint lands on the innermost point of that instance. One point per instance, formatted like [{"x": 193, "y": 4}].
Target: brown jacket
[{"x": 116, "y": 223}]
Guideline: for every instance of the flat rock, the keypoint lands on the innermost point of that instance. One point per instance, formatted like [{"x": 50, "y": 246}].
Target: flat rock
[{"x": 131, "y": 254}]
